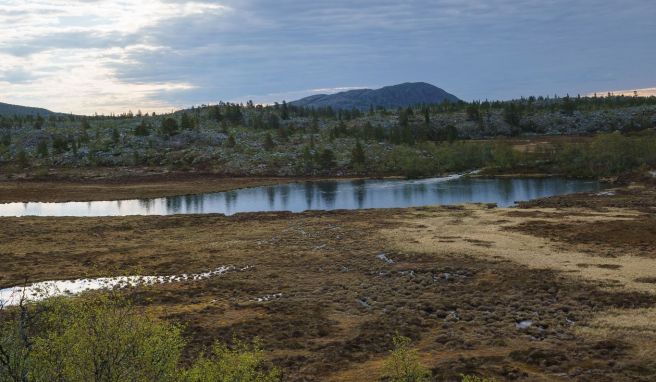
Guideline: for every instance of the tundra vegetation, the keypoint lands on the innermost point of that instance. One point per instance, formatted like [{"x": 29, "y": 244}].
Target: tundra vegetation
[
  {"x": 105, "y": 338},
  {"x": 490, "y": 285},
  {"x": 287, "y": 140}
]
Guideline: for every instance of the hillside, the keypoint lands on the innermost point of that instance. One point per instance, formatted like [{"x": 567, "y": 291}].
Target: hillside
[
  {"x": 287, "y": 140},
  {"x": 10, "y": 110},
  {"x": 403, "y": 95}
]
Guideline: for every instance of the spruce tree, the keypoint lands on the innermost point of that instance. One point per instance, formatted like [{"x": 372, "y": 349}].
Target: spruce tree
[
  {"x": 357, "y": 154},
  {"x": 327, "y": 159},
  {"x": 231, "y": 141},
  {"x": 185, "y": 122},
  {"x": 268, "y": 142}
]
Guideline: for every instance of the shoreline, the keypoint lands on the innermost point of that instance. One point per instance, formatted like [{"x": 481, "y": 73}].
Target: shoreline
[
  {"x": 160, "y": 185},
  {"x": 62, "y": 191}
]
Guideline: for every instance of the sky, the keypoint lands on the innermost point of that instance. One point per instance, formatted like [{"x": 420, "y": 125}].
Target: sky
[{"x": 101, "y": 56}]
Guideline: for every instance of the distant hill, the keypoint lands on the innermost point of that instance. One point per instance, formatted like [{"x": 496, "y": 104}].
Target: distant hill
[
  {"x": 9, "y": 110},
  {"x": 403, "y": 95}
]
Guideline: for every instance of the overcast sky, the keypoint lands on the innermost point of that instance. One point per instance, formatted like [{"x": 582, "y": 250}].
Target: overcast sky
[{"x": 88, "y": 56}]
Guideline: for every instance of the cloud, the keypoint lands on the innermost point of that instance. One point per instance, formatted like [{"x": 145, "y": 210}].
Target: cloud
[
  {"x": 61, "y": 54},
  {"x": 646, "y": 92},
  {"x": 88, "y": 55},
  {"x": 271, "y": 98}
]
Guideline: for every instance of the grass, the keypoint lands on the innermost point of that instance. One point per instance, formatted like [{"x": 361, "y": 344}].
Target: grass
[
  {"x": 323, "y": 264},
  {"x": 482, "y": 232},
  {"x": 111, "y": 187}
]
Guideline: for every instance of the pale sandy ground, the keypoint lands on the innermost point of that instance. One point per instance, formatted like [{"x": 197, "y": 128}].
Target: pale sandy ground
[{"x": 479, "y": 231}]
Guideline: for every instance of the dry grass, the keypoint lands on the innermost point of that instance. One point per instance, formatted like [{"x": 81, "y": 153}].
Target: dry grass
[
  {"x": 116, "y": 189},
  {"x": 493, "y": 234},
  {"x": 483, "y": 232},
  {"x": 460, "y": 281}
]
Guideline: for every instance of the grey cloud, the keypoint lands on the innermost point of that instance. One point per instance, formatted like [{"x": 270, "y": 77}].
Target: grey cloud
[
  {"x": 473, "y": 48},
  {"x": 17, "y": 76},
  {"x": 69, "y": 40}
]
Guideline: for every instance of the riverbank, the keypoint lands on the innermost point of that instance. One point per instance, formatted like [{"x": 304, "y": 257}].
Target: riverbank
[
  {"x": 478, "y": 289},
  {"x": 141, "y": 186}
]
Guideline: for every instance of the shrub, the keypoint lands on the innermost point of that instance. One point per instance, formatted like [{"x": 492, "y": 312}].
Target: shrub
[
  {"x": 169, "y": 127},
  {"x": 327, "y": 159},
  {"x": 268, "y": 142},
  {"x": 142, "y": 130},
  {"x": 231, "y": 142},
  {"x": 403, "y": 363},
  {"x": 105, "y": 338},
  {"x": 244, "y": 363},
  {"x": 474, "y": 378}
]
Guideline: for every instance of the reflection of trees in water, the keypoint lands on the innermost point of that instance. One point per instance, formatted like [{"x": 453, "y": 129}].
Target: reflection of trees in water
[
  {"x": 271, "y": 194},
  {"x": 146, "y": 204},
  {"x": 410, "y": 191},
  {"x": 359, "y": 192},
  {"x": 230, "y": 200},
  {"x": 308, "y": 188},
  {"x": 378, "y": 194},
  {"x": 511, "y": 189},
  {"x": 194, "y": 203},
  {"x": 328, "y": 192},
  {"x": 173, "y": 204},
  {"x": 284, "y": 195}
]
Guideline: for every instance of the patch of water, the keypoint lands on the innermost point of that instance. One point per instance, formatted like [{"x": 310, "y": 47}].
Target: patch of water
[
  {"x": 46, "y": 289},
  {"x": 324, "y": 195}
]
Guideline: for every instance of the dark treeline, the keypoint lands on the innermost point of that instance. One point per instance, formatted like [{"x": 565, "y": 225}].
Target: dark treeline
[{"x": 234, "y": 113}]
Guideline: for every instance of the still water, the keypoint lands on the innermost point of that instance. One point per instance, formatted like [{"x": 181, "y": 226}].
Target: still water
[{"x": 322, "y": 195}]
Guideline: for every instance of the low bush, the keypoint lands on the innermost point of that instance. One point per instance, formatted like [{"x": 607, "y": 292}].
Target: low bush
[{"x": 104, "y": 338}]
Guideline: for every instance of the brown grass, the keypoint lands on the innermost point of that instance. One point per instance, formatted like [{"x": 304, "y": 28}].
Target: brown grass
[
  {"x": 116, "y": 189},
  {"x": 461, "y": 279}
]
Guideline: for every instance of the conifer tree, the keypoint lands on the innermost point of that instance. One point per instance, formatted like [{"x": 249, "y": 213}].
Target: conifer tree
[
  {"x": 357, "y": 154},
  {"x": 268, "y": 142}
]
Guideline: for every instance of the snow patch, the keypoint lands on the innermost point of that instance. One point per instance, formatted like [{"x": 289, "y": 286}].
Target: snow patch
[{"x": 46, "y": 289}]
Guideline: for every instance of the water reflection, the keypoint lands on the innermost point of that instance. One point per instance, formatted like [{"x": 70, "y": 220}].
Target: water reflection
[
  {"x": 309, "y": 194},
  {"x": 323, "y": 195},
  {"x": 328, "y": 191},
  {"x": 271, "y": 193},
  {"x": 359, "y": 192}
]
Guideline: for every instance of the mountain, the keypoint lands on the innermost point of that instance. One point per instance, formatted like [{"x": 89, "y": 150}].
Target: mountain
[
  {"x": 10, "y": 110},
  {"x": 403, "y": 95}
]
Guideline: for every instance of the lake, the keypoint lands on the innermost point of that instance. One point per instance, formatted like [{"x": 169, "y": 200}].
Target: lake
[{"x": 323, "y": 195}]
